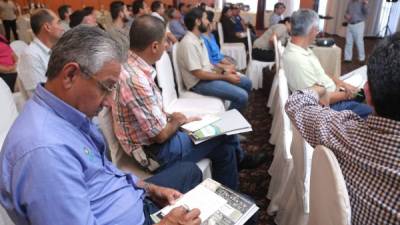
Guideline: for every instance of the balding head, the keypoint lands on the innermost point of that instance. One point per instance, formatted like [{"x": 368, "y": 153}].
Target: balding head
[{"x": 144, "y": 31}]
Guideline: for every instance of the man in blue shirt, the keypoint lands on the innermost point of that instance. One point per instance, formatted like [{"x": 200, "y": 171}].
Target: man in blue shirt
[{"x": 53, "y": 165}]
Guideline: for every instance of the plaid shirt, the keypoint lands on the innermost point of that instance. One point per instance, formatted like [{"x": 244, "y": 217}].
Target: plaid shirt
[
  {"x": 137, "y": 109},
  {"x": 368, "y": 152}
]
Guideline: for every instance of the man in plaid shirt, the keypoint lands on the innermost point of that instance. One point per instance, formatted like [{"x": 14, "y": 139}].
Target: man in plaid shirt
[
  {"x": 368, "y": 150},
  {"x": 140, "y": 120}
]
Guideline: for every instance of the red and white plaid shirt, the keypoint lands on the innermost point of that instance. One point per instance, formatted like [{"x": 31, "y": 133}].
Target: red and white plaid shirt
[
  {"x": 137, "y": 110},
  {"x": 368, "y": 152}
]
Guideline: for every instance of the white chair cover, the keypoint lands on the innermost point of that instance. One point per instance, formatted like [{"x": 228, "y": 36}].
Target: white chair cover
[
  {"x": 282, "y": 164},
  {"x": 234, "y": 50},
  {"x": 295, "y": 208},
  {"x": 329, "y": 199},
  {"x": 7, "y": 116},
  {"x": 18, "y": 47},
  {"x": 255, "y": 67},
  {"x": 125, "y": 162},
  {"x": 187, "y": 106},
  {"x": 272, "y": 93}
]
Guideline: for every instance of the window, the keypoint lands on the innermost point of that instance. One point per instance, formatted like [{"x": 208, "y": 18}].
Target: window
[{"x": 269, "y": 6}]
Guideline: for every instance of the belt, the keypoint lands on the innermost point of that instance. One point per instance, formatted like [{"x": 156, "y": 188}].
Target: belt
[{"x": 352, "y": 23}]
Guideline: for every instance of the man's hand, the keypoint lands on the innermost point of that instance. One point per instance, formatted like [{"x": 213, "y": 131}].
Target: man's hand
[
  {"x": 322, "y": 93},
  {"x": 163, "y": 196},
  {"x": 232, "y": 78},
  {"x": 193, "y": 118},
  {"x": 350, "y": 90},
  {"x": 180, "y": 216},
  {"x": 179, "y": 118}
]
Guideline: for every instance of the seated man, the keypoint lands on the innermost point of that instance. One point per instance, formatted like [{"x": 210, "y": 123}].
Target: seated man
[
  {"x": 139, "y": 117},
  {"x": 198, "y": 73},
  {"x": 175, "y": 23},
  {"x": 33, "y": 62},
  {"x": 367, "y": 150},
  {"x": 279, "y": 9},
  {"x": 214, "y": 52},
  {"x": 303, "y": 69},
  {"x": 56, "y": 171}
]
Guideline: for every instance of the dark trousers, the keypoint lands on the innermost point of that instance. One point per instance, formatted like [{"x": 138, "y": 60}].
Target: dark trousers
[
  {"x": 8, "y": 26},
  {"x": 223, "y": 151},
  {"x": 10, "y": 79},
  {"x": 263, "y": 55},
  {"x": 182, "y": 176}
]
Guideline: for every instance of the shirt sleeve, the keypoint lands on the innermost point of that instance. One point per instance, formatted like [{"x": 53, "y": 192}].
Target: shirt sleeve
[
  {"x": 49, "y": 188},
  {"x": 191, "y": 57},
  {"x": 317, "y": 124}
]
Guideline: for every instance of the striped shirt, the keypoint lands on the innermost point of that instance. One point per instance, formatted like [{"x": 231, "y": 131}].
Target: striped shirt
[
  {"x": 368, "y": 152},
  {"x": 137, "y": 109}
]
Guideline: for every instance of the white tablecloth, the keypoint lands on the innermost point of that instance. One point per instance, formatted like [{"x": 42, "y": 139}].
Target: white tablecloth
[{"x": 330, "y": 59}]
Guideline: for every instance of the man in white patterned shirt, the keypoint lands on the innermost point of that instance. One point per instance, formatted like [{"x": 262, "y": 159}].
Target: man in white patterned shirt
[{"x": 368, "y": 150}]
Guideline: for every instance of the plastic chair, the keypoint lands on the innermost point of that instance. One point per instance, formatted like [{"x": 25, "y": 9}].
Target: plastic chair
[
  {"x": 255, "y": 67},
  {"x": 329, "y": 199},
  {"x": 234, "y": 50}
]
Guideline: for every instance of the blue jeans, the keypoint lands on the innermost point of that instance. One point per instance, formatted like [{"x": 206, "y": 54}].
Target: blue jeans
[
  {"x": 223, "y": 151},
  {"x": 360, "y": 109},
  {"x": 182, "y": 176},
  {"x": 238, "y": 94}
]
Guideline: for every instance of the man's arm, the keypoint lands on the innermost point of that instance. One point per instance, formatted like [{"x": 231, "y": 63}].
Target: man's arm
[
  {"x": 50, "y": 189},
  {"x": 204, "y": 75},
  {"x": 317, "y": 124},
  {"x": 174, "y": 122}
]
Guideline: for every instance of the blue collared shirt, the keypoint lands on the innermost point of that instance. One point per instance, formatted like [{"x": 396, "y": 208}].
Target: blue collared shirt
[
  {"x": 177, "y": 28},
  {"x": 54, "y": 170},
  {"x": 238, "y": 24},
  {"x": 214, "y": 53}
]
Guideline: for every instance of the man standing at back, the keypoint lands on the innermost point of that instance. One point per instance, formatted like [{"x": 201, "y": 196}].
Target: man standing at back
[
  {"x": 356, "y": 14},
  {"x": 33, "y": 61}
]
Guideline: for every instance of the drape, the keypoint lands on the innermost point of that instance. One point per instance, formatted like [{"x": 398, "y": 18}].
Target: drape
[{"x": 260, "y": 15}]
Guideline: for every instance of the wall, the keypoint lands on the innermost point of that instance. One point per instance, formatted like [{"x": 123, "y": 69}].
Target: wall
[{"x": 307, "y": 4}]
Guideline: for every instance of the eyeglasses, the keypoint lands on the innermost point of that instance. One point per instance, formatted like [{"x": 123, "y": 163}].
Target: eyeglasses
[{"x": 109, "y": 90}]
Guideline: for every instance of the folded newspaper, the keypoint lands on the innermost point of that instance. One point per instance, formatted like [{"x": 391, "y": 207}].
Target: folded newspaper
[
  {"x": 229, "y": 122},
  {"x": 218, "y": 205}
]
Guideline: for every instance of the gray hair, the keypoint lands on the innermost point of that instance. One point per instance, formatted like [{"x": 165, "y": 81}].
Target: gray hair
[
  {"x": 88, "y": 46},
  {"x": 302, "y": 21}
]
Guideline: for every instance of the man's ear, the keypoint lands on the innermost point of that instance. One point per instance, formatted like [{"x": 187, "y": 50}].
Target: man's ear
[
  {"x": 368, "y": 97},
  {"x": 69, "y": 74},
  {"x": 154, "y": 46}
]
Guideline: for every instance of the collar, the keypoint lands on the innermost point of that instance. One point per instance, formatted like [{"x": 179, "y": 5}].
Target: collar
[
  {"x": 42, "y": 46},
  {"x": 387, "y": 126},
  {"x": 135, "y": 61},
  {"x": 155, "y": 14},
  {"x": 45, "y": 98},
  {"x": 296, "y": 48},
  {"x": 192, "y": 36}
]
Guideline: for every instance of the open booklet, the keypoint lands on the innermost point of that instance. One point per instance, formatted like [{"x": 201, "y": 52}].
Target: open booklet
[
  {"x": 357, "y": 77},
  {"x": 229, "y": 122},
  {"x": 218, "y": 205}
]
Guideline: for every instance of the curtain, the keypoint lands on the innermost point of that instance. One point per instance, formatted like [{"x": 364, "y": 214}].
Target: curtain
[
  {"x": 260, "y": 15},
  {"x": 395, "y": 17},
  {"x": 372, "y": 26}
]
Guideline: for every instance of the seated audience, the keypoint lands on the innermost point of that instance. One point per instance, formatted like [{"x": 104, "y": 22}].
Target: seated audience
[
  {"x": 86, "y": 17},
  {"x": 303, "y": 69},
  {"x": 34, "y": 60},
  {"x": 8, "y": 63},
  {"x": 229, "y": 28},
  {"x": 240, "y": 25},
  {"x": 213, "y": 50},
  {"x": 57, "y": 172},
  {"x": 263, "y": 47},
  {"x": 175, "y": 23},
  {"x": 367, "y": 150},
  {"x": 279, "y": 9},
  {"x": 158, "y": 11},
  {"x": 140, "y": 8},
  {"x": 119, "y": 30},
  {"x": 140, "y": 119},
  {"x": 64, "y": 12},
  {"x": 183, "y": 9},
  {"x": 199, "y": 74}
]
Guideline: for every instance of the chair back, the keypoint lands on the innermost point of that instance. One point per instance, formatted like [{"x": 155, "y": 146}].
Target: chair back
[
  {"x": 250, "y": 44},
  {"x": 220, "y": 35},
  {"x": 329, "y": 199},
  {"x": 277, "y": 55},
  {"x": 165, "y": 78},
  {"x": 302, "y": 155},
  {"x": 9, "y": 110},
  {"x": 178, "y": 75},
  {"x": 18, "y": 47}
]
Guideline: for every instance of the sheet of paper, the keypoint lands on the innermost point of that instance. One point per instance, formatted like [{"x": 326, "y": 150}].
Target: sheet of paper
[
  {"x": 201, "y": 198},
  {"x": 356, "y": 80},
  {"x": 197, "y": 125}
]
